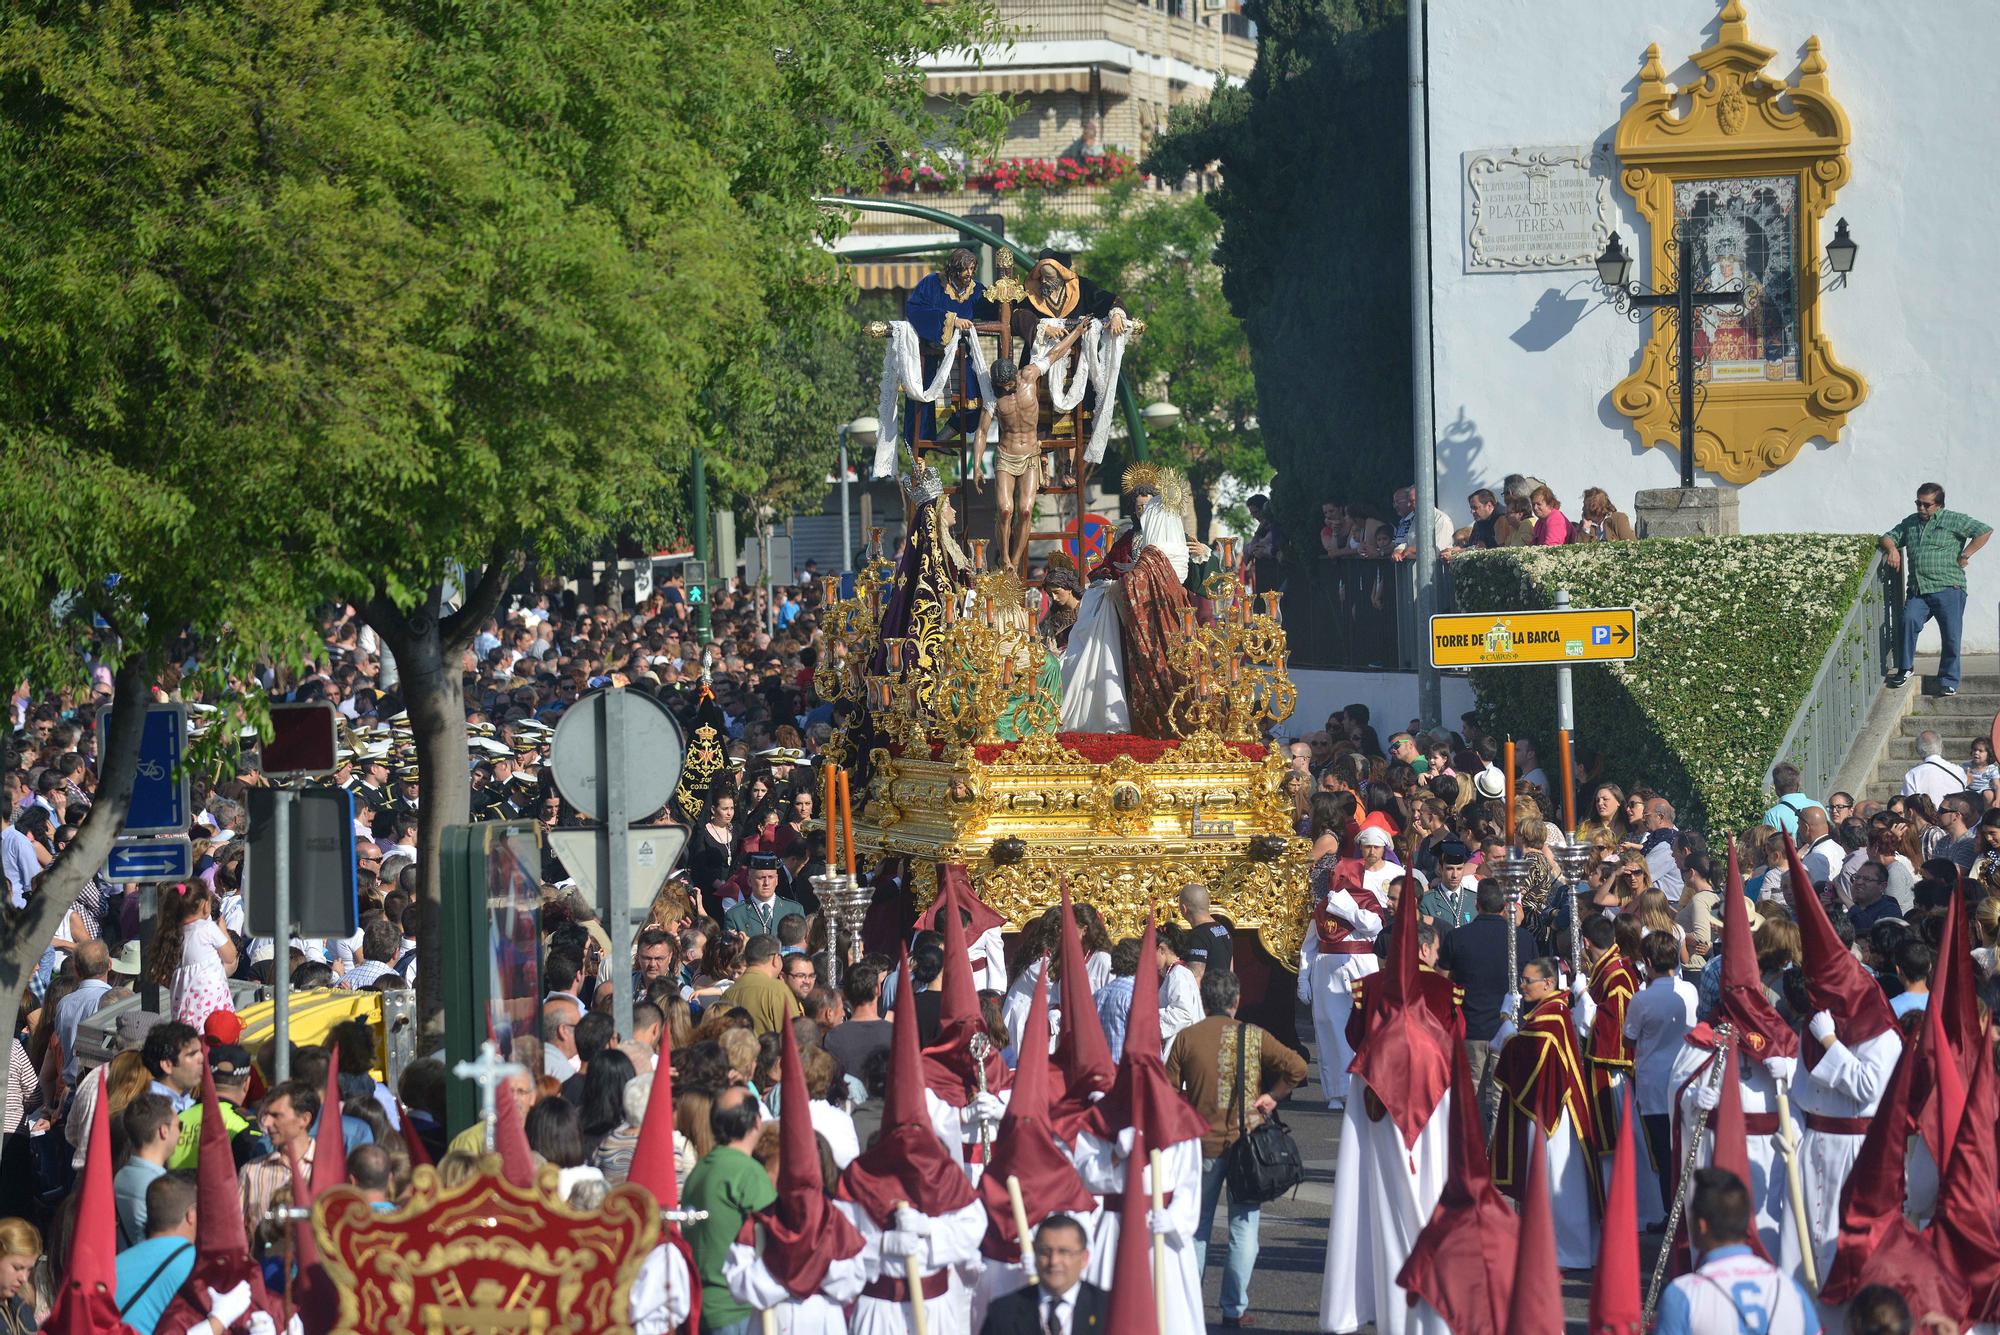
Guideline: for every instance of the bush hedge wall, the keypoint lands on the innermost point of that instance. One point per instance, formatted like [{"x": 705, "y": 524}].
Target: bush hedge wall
[{"x": 1731, "y": 633}]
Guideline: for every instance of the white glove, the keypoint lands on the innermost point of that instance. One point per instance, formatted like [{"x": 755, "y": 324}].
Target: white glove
[
  {"x": 1159, "y": 1223},
  {"x": 1781, "y": 1069},
  {"x": 985, "y": 1108},
  {"x": 1707, "y": 1094},
  {"x": 898, "y": 1245},
  {"x": 261, "y": 1324},
  {"x": 1579, "y": 986},
  {"x": 226, "y": 1309},
  {"x": 1502, "y": 1033},
  {"x": 1510, "y": 1006},
  {"x": 1305, "y": 986},
  {"x": 1821, "y": 1027},
  {"x": 913, "y": 1222}
]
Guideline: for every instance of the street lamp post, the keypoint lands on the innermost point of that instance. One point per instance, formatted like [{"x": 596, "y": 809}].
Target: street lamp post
[
  {"x": 864, "y": 431},
  {"x": 1682, "y": 302},
  {"x": 1614, "y": 273}
]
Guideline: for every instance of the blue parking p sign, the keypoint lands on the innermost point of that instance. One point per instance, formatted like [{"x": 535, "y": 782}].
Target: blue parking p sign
[
  {"x": 1600, "y": 634},
  {"x": 160, "y": 788}
]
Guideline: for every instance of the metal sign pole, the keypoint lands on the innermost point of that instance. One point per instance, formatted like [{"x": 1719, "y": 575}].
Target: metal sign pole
[
  {"x": 1565, "y": 702},
  {"x": 281, "y": 941},
  {"x": 616, "y": 868}
]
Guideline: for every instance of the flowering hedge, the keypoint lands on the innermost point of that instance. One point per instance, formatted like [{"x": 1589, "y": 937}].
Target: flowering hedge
[
  {"x": 1731, "y": 633},
  {"x": 1005, "y": 175}
]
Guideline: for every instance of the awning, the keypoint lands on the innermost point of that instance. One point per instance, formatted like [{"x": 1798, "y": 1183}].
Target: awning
[
  {"x": 1071, "y": 80},
  {"x": 891, "y": 275}
]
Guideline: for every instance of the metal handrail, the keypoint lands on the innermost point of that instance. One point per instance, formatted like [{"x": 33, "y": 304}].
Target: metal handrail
[{"x": 1843, "y": 690}]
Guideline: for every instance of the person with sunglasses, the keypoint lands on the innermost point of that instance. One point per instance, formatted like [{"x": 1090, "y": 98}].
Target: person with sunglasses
[{"x": 1938, "y": 544}]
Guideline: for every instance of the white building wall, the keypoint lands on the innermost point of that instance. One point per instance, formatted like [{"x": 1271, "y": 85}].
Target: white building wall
[{"x": 1525, "y": 362}]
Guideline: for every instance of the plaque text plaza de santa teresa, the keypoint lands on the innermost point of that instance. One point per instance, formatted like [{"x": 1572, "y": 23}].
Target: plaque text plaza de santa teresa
[{"x": 1075, "y": 667}]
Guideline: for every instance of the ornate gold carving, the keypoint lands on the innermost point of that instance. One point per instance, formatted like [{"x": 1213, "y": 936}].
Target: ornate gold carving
[
  {"x": 1739, "y": 122},
  {"x": 1122, "y": 798},
  {"x": 1040, "y": 751},
  {"x": 485, "y": 1255}
]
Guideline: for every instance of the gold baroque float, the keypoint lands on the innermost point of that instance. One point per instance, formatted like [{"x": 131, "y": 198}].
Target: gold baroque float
[
  {"x": 1127, "y": 831},
  {"x": 1776, "y": 152}
]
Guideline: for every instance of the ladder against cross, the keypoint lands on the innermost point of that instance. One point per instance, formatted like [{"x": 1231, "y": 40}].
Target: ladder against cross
[
  {"x": 488, "y": 1311},
  {"x": 487, "y": 1071}
]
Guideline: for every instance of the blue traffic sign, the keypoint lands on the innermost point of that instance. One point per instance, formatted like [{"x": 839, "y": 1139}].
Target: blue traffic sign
[
  {"x": 160, "y": 789},
  {"x": 1600, "y": 634},
  {"x": 168, "y": 859}
]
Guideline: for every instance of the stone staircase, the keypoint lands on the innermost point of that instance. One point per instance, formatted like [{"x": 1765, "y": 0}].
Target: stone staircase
[{"x": 1957, "y": 720}]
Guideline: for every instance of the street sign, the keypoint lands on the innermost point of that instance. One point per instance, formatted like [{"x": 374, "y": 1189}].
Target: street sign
[
  {"x": 170, "y": 858},
  {"x": 303, "y": 741},
  {"x": 160, "y": 788},
  {"x": 321, "y": 890},
  {"x": 1515, "y": 639},
  {"x": 654, "y": 750},
  {"x": 650, "y": 852}
]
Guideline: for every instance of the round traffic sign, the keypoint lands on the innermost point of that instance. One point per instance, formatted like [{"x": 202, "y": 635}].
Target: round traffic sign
[{"x": 653, "y": 744}]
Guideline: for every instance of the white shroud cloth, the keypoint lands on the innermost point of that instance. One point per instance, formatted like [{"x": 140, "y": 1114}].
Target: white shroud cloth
[
  {"x": 953, "y": 1242},
  {"x": 1383, "y": 1195},
  {"x": 1569, "y": 1183},
  {"x": 1102, "y": 1167},
  {"x": 1848, "y": 1082},
  {"x": 1093, "y": 666},
  {"x": 1770, "y": 1193},
  {"x": 824, "y": 1313}
]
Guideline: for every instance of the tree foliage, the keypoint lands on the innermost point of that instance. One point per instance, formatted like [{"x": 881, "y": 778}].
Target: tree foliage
[
  {"x": 314, "y": 298},
  {"x": 1157, "y": 255},
  {"x": 1315, "y": 241}
]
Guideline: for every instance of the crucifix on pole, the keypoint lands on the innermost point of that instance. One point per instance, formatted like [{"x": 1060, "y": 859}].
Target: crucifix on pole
[{"x": 1682, "y": 303}]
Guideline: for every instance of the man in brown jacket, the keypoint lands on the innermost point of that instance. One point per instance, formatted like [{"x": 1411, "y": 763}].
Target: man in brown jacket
[{"x": 1203, "y": 1063}]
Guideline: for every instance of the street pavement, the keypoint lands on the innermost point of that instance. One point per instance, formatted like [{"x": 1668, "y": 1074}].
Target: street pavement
[{"x": 1284, "y": 1288}]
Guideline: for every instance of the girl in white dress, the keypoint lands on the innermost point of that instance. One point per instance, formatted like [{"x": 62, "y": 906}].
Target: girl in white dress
[{"x": 192, "y": 954}]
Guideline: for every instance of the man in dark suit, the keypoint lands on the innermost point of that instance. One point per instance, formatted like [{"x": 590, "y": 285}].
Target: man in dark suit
[{"x": 1062, "y": 1302}]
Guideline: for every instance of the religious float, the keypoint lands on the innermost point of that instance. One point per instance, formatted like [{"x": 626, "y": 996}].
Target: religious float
[{"x": 952, "y": 698}]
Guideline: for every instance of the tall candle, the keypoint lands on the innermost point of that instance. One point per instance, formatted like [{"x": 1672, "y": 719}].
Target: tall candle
[
  {"x": 1509, "y": 792},
  {"x": 1569, "y": 785},
  {"x": 829, "y": 797},
  {"x": 847, "y": 820}
]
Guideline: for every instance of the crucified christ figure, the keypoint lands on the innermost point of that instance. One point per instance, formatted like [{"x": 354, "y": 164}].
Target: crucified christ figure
[{"x": 1018, "y": 466}]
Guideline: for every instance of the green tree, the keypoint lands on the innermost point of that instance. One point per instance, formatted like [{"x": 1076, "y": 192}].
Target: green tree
[
  {"x": 1157, "y": 255},
  {"x": 1315, "y": 242},
  {"x": 312, "y": 299}
]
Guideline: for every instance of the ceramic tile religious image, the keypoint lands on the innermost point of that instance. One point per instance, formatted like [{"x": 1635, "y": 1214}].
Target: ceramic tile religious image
[{"x": 1744, "y": 229}]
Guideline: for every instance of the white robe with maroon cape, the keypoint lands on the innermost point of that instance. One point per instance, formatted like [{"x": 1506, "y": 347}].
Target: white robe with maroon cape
[{"x": 1383, "y": 1195}]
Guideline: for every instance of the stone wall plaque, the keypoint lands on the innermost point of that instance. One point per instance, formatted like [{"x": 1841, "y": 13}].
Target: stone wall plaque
[{"x": 1534, "y": 209}]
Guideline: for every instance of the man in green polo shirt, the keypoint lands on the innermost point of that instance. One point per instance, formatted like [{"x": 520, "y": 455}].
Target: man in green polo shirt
[
  {"x": 1937, "y": 544},
  {"x": 731, "y": 1186}
]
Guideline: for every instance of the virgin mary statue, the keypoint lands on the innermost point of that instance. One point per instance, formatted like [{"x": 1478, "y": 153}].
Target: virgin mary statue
[{"x": 1116, "y": 677}]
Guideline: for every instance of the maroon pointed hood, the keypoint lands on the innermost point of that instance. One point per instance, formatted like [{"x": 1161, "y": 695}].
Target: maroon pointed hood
[
  {"x": 1462, "y": 1263},
  {"x": 955, "y": 887},
  {"x": 1142, "y": 1096},
  {"x": 1615, "y": 1305},
  {"x": 1877, "y": 1242},
  {"x": 1025, "y": 1149},
  {"x": 907, "y": 1163},
  {"x": 803, "y": 1234},
  {"x": 222, "y": 1243},
  {"x": 1950, "y": 1039},
  {"x": 330, "y": 1144},
  {"x": 949, "y": 1070},
  {"x": 1082, "y": 1054},
  {"x": 1732, "y": 1140},
  {"x": 1405, "y": 1053},
  {"x": 1134, "y": 1309},
  {"x": 653, "y": 1156},
  {"x": 1535, "y": 1307},
  {"x": 1835, "y": 981},
  {"x": 1964, "y": 1230},
  {"x": 1742, "y": 1003},
  {"x": 510, "y": 1138},
  {"x": 87, "y": 1302},
  {"x": 313, "y": 1291}
]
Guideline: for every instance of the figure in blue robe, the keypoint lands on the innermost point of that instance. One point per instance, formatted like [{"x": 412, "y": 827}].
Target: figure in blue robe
[{"x": 956, "y": 292}]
